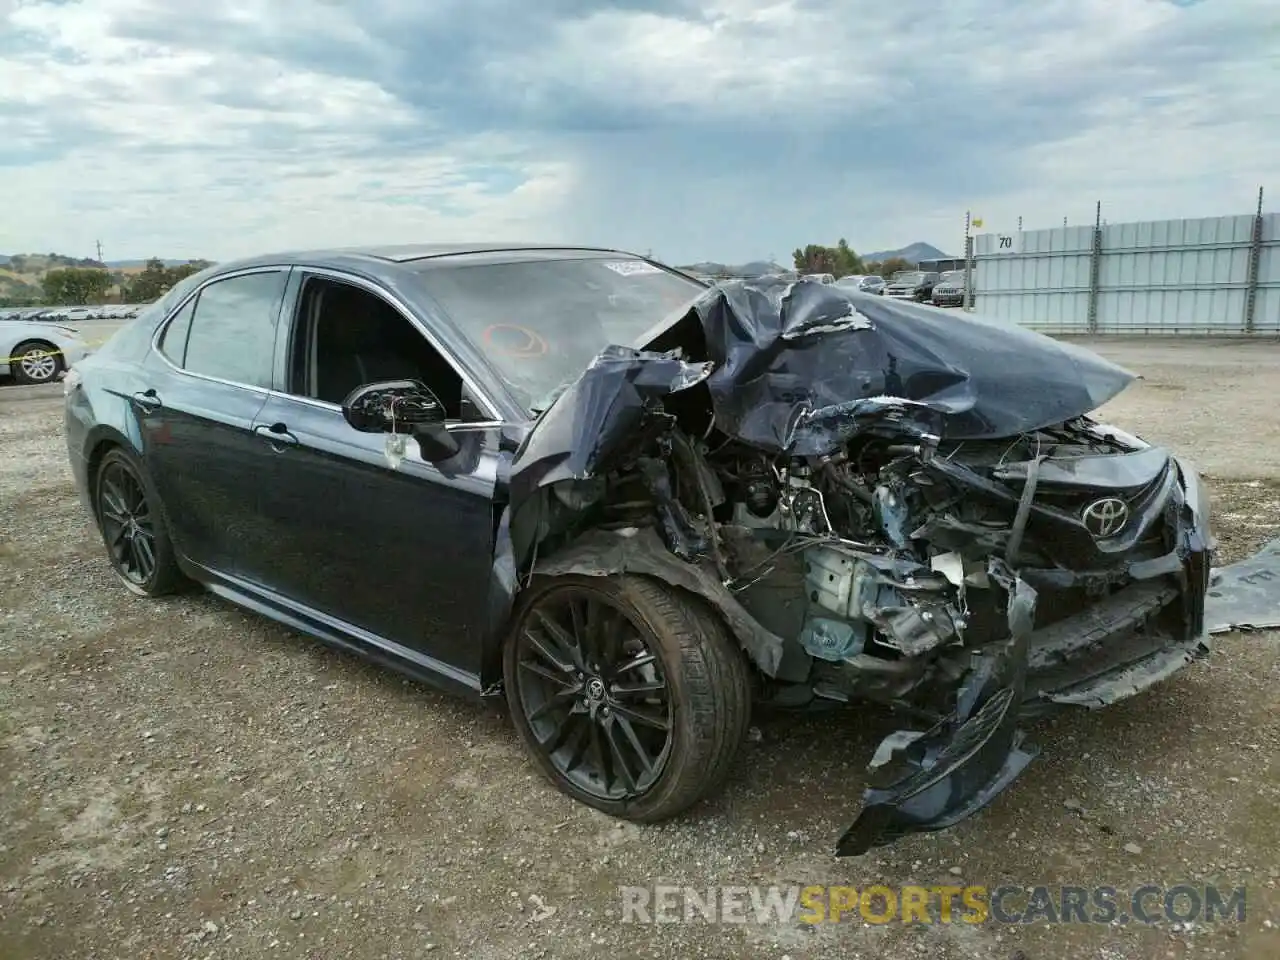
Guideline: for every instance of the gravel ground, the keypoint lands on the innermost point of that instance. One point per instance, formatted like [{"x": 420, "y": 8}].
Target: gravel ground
[{"x": 181, "y": 779}]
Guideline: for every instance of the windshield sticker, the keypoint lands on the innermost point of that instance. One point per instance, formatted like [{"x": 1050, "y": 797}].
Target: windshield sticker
[
  {"x": 514, "y": 340},
  {"x": 632, "y": 268}
]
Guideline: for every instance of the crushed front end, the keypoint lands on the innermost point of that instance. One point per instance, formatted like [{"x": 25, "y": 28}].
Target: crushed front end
[{"x": 887, "y": 508}]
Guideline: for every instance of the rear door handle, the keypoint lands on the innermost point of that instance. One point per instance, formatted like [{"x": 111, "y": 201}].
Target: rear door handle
[
  {"x": 276, "y": 434},
  {"x": 148, "y": 400}
]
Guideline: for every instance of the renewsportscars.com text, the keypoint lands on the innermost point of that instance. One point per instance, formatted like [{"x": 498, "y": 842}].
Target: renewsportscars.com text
[{"x": 973, "y": 904}]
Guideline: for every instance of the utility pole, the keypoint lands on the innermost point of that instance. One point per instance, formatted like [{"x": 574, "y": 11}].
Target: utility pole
[
  {"x": 100, "y": 260},
  {"x": 968, "y": 264},
  {"x": 1255, "y": 259},
  {"x": 1095, "y": 269}
]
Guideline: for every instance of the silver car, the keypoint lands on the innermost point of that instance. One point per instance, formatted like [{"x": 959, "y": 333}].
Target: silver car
[
  {"x": 949, "y": 291},
  {"x": 33, "y": 352},
  {"x": 866, "y": 283}
]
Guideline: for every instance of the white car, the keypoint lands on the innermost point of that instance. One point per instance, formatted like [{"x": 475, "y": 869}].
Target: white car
[{"x": 33, "y": 352}]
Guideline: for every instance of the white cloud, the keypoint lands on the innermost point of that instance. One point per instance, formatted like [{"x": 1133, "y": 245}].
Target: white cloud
[{"x": 732, "y": 129}]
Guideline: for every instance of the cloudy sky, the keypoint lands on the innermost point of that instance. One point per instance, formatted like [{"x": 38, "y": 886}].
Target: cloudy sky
[{"x": 723, "y": 129}]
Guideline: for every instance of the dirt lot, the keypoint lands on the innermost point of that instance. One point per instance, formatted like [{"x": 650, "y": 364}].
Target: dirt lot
[{"x": 181, "y": 779}]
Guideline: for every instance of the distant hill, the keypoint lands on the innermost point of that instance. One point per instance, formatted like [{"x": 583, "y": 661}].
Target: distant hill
[
  {"x": 21, "y": 274},
  {"x": 40, "y": 262},
  {"x": 129, "y": 264},
  {"x": 36, "y": 263},
  {"x": 913, "y": 253},
  {"x": 754, "y": 268}
]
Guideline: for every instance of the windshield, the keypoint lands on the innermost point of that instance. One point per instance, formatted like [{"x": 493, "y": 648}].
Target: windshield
[
  {"x": 908, "y": 277},
  {"x": 541, "y": 322},
  {"x": 953, "y": 276}
]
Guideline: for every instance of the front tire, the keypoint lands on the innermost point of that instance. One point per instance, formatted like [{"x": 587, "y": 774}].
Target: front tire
[
  {"x": 36, "y": 362},
  {"x": 133, "y": 527},
  {"x": 630, "y": 696}
]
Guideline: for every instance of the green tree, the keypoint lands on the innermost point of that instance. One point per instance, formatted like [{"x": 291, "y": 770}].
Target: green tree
[
  {"x": 150, "y": 284},
  {"x": 156, "y": 279},
  {"x": 75, "y": 286},
  {"x": 847, "y": 262},
  {"x": 893, "y": 265},
  {"x": 839, "y": 261}
]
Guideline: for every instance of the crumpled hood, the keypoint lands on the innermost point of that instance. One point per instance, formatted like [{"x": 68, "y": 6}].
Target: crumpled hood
[{"x": 799, "y": 367}]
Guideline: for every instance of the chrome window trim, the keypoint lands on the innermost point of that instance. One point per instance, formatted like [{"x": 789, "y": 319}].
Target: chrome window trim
[
  {"x": 337, "y": 408},
  {"x": 488, "y": 407}
]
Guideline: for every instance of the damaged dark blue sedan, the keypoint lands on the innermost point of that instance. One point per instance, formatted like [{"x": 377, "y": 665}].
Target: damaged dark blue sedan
[{"x": 636, "y": 506}]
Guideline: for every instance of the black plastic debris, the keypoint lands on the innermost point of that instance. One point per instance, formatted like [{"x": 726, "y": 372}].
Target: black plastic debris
[{"x": 1246, "y": 595}]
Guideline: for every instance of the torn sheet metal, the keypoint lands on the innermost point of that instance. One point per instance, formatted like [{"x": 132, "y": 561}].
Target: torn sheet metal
[
  {"x": 1246, "y": 595},
  {"x": 596, "y": 416},
  {"x": 799, "y": 367},
  {"x": 795, "y": 360},
  {"x": 933, "y": 779}
]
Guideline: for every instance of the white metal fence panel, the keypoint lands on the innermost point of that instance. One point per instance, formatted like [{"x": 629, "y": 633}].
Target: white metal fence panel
[
  {"x": 1267, "y": 309},
  {"x": 1168, "y": 276}
]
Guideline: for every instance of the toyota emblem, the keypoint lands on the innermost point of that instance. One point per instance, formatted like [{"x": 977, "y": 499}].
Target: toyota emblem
[{"x": 1106, "y": 517}]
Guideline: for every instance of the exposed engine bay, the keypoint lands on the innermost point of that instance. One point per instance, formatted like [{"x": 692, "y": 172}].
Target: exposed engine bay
[{"x": 883, "y": 509}]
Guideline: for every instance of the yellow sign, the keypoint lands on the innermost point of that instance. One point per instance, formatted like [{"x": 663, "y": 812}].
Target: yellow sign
[{"x": 977, "y": 221}]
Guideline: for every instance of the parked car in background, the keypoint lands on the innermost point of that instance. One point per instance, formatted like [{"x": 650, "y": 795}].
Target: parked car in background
[
  {"x": 819, "y": 277},
  {"x": 949, "y": 291},
  {"x": 33, "y": 352},
  {"x": 914, "y": 285},
  {"x": 869, "y": 283},
  {"x": 79, "y": 314}
]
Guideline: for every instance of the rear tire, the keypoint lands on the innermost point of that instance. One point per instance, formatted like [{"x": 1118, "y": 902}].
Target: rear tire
[
  {"x": 580, "y": 651},
  {"x": 36, "y": 362},
  {"x": 133, "y": 527}
]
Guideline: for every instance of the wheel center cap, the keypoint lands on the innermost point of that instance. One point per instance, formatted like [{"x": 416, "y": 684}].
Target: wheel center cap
[{"x": 595, "y": 689}]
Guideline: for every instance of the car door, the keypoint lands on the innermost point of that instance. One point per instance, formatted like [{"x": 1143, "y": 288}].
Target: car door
[
  {"x": 397, "y": 550},
  {"x": 201, "y": 387}
]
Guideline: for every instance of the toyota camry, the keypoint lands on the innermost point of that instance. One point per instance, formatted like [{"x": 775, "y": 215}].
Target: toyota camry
[{"x": 636, "y": 506}]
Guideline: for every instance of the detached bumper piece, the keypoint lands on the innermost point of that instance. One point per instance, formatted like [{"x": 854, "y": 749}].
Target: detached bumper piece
[
  {"x": 953, "y": 773},
  {"x": 933, "y": 780},
  {"x": 1112, "y": 650}
]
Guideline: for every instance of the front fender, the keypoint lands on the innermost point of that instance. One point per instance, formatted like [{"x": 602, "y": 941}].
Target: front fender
[{"x": 603, "y": 553}]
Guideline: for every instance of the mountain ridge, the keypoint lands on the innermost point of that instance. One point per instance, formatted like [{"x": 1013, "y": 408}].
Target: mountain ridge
[{"x": 912, "y": 252}]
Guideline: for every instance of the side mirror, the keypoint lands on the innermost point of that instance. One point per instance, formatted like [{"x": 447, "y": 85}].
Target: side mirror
[
  {"x": 391, "y": 405},
  {"x": 396, "y": 406}
]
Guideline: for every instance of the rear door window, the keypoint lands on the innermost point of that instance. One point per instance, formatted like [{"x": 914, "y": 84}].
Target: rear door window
[
  {"x": 233, "y": 328},
  {"x": 173, "y": 342}
]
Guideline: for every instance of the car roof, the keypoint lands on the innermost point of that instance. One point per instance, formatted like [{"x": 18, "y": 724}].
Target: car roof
[{"x": 389, "y": 255}]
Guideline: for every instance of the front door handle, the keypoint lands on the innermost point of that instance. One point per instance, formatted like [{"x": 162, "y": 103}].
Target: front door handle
[
  {"x": 148, "y": 400},
  {"x": 276, "y": 434}
]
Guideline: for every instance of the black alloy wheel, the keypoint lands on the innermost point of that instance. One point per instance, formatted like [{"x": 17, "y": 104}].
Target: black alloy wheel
[
  {"x": 134, "y": 532},
  {"x": 595, "y": 694},
  {"x": 630, "y": 698}
]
